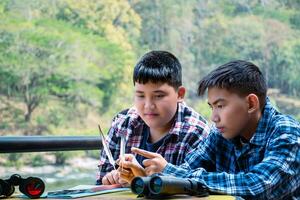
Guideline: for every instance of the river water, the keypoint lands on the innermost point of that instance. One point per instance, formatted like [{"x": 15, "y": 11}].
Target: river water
[{"x": 78, "y": 171}]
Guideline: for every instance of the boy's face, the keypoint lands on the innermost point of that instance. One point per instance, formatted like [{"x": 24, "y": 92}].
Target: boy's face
[
  {"x": 229, "y": 112},
  {"x": 156, "y": 104}
]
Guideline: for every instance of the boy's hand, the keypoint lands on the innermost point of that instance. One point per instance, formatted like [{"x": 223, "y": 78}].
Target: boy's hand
[
  {"x": 123, "y": 181},
  {"x": 155, "y": 162},
  {"x": 130, "y": 168},
  {"x": 126, "y": 176},
  {"x": 111, "y": 178}
]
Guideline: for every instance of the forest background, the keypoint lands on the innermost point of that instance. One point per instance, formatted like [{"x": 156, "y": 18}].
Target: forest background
[{"x": 66, "y": 65}]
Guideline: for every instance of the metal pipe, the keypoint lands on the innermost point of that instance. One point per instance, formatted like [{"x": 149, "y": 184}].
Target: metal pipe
[{"x": 48, "y": 143}]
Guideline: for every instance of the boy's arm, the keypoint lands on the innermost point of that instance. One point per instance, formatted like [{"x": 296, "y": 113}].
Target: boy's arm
[
  {"x": 155, "y": 163},
  {"x": 119, "y": 124},
  {"x": 105, "y": 166},
  {"x": 202, "y": 157},
  {"x": 202, "y": 145},
  {"x": 274, "y": 177}
]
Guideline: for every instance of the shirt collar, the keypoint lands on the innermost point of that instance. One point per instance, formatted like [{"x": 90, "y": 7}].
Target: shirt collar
[
  {"x": 178, "y": 120},
  {"x": 259, "y": 137}
]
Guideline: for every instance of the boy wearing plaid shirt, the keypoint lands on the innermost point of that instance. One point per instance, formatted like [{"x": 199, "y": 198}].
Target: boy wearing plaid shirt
[
  {"x": 253, "y": 150},
  {"x": 159, "y": 121}
]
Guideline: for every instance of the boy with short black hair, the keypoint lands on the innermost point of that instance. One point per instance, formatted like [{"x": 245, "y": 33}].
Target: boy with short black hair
[
  {"x": 159, "y": 121},
  {"x": 253, "y": 150}
]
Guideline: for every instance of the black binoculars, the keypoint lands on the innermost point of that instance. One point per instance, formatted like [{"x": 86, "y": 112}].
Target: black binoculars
[
  {"x": 32, "y": 187},
  {"x": 157, "y": 186}
]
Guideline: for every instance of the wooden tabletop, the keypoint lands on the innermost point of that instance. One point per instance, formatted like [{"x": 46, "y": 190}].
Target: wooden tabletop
[{"x": 127, "y": 195}]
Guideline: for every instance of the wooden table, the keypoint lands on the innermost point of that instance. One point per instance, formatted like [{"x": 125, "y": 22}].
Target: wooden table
[
  {"x": 130, "y": 196},
  {"x": 127, "y": 195}
]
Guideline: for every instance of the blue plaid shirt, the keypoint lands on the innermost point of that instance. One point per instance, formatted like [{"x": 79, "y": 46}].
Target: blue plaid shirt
[{"x": 268, "y": 167}]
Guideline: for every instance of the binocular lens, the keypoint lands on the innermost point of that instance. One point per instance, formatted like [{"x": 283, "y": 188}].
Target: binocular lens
[
  {"x": 138, "y": 186},
  {"x": 156, "y": 185},
  {"x": 34, "y": 188}
]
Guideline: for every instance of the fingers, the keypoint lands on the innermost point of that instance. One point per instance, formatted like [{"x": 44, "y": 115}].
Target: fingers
[
  {"x": 111, "y": 178},
  {"x": 128, "y": 164},
  {"x": 116, "y": 177},
  {"x": 149, "y": 171},
  {"x": 135, "y": 168},
  {"x": 154, "y": 161},
  {"x": 152, "y": 170},
  {"x": 147, "y": 162},
  {"x": 124, "y": 182},
  {"x": 126, "y": 157},
  {"x": 125, "y": 172},
  {"x": 154, "y": 165},
  {"x": 125, "y": 177},
  {"x": 105, "y": 181},
  {"x": 144, "y": 153}
]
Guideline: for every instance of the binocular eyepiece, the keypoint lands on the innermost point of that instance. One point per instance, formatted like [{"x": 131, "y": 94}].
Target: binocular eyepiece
[{"x": 157, "y": 186}]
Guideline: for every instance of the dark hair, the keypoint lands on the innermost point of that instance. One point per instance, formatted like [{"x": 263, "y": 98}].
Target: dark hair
[
  {"x": 158, "y": 66},
  {"x": 237, "y": 76}
]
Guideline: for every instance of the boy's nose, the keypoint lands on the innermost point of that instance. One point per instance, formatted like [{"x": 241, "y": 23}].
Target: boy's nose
[
  {"x": 149, "y": 105},
  {"x": 215, "y": 117}
]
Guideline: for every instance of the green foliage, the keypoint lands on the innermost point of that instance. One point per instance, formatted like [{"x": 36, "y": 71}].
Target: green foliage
[
  {"x": 37, "y": 161},
  {"x": 93, "y": 154},
  {"x": 295, "y": 20},
  {"x": 14, "y": 160},
  {"x": 278, "y": 13},
  {"x": 114, "y": 20},
  {"x": 202, "y": 107},
  {"x": 63, "y": 62},
  {"x": 61, "y": 157},
  {"x": 45, "y": 58}
]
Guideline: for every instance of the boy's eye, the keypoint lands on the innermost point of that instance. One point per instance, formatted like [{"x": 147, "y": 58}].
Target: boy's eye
[
  {"x": 220, "y": 106},
  {"x": 140, "y": 96},
  {"x": 159, "y": 96}
]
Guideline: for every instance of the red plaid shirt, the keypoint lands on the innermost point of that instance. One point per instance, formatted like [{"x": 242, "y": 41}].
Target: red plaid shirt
[{"x": 188, "y": 130}]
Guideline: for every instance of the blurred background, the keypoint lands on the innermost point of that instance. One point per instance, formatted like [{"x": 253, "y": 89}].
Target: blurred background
[{"x": 66, "y": 65}]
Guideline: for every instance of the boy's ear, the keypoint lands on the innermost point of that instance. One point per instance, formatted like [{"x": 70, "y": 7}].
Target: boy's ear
[
  {"x": 181, "y": 93},
  {"x": 253, "y": 103}
]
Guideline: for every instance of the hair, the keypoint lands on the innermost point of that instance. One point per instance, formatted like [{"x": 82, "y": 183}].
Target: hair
[
  {"x": 158, "y": 67},
  {"x": 237, "y": 76}
]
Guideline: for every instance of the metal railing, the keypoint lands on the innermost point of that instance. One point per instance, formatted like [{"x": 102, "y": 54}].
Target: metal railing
[{"x": 48, "y": 143}]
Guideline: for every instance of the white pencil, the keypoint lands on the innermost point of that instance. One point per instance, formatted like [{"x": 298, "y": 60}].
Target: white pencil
[
  {"x": 122, "y": 149},
  {"x": 106, "y": 148}
]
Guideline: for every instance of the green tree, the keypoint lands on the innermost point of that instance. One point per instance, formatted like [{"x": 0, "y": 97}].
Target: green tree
[
  {"x": 114, "y": 20},
  {"x": 45, "y": 59}
]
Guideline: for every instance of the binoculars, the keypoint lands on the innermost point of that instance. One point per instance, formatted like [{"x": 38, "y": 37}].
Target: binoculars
[
  {"x": 157, "y": 186},
  {"x": 32, "y": 187}
]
